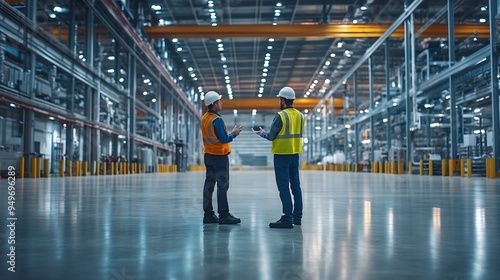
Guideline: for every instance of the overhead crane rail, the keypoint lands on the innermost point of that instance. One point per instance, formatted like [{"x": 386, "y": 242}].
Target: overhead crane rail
[{"x": 309, "y": 31}]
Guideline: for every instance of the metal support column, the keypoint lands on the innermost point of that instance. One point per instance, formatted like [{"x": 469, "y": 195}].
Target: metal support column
[
  {"x": 72, "y": 27},
  {"x": 346, "y": 130},
  {"x": 89, "y": 38},
  {"x": 356, "y": 126},
  {"x": 3, "y": 45},
  {"x": 31, "y": 8},
  {"x": 453, "y": 98},
  {"x": 86, "y": 150},
  {"x": 372, "y": 107},
  {"x": 170, "y": 123},
  {"x": 495, "y": 100},
  {"x": 95, "y": 133},
  {"x": 407, "y": 86},
  {"x": 131, "y": 120},
  {"x": 388, "y": 97}
]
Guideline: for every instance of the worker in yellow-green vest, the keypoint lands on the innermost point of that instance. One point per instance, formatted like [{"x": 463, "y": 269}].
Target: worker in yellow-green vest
[{"x": 286, "y": 134}]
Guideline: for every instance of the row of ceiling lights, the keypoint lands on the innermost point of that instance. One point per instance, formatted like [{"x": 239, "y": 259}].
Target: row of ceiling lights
[
  {"x": 267, "y": 58},
  {"x": 220, "y": 49},
  {"x": 179, "y": 49}
]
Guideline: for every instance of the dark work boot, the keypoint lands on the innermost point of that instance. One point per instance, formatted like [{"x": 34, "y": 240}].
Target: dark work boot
[
  {"x": 281, "y": 223},
  {"x": 210, "y": 219},
  {"x": 229, "y": 219}
]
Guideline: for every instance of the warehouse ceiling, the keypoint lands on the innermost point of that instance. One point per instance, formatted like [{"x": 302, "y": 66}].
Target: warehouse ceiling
[
  {"x": 252, "y": 48},
  {"x": 268, "y": 47}
]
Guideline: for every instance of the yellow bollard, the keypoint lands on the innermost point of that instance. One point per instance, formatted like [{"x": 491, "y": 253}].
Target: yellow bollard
[
  {"x": 469, "y": 168},
  {"x": 443, "y": 167},
  {"x": 38, "y": 168},
  {"x": 450, "y": 166},
  {"x": 61, "y": 168},
  {"x": 70, "y": 168},
  {"x": 104, "y": 166},
  {"x": 421, "y": 167},
  {"x": 46, "y": 168},
  {"x": 85, "y": 168},
  {"x": 410, "y": 166},
  {"x": 490, "y": 168},
  {"x": 78, "y": 168},
  {"x": 21, "y": 167},
  {"x": 431, "y": 168},
  {"x": 462, "y": 168},
  {"x": 33, "y": 167}
]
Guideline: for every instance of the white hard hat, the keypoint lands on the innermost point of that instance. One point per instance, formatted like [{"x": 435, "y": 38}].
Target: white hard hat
[
  {"x": 287, "y": 93},
  {"x": 211, "y": 97}
]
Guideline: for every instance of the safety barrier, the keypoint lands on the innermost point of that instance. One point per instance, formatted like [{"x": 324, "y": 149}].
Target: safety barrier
[
  {"x": 445, "y": 167},
  {"x": 36, "y": 168},
  {"x": 196, "y": 168}
]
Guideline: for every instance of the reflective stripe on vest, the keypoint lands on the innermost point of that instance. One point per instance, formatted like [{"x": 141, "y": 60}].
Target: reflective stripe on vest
[{"x": 289, "y": 139}]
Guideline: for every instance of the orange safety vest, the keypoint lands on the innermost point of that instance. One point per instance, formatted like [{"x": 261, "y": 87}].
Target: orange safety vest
[{"x": 212, "y": 145}]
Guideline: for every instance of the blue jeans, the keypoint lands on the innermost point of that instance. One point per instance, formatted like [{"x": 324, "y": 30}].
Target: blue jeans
[
  {"x": 286, "y": 170},
  {"x": 217, "y": 172}
]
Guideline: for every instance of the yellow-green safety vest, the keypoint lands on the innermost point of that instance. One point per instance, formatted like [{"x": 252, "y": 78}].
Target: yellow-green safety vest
[{"x": 289, "y": 139}]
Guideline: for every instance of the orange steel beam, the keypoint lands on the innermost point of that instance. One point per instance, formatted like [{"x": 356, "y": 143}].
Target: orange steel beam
[
  {"x": 481, "y": 31},
  {"x": 309, "y": 30},
  {"x": 273, "y": 103}
]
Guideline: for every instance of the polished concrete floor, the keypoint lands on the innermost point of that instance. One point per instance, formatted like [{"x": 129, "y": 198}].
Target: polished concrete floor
[{"x": 355, "y": 226}]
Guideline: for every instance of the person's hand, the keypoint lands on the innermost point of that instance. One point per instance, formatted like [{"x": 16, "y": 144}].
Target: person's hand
[
  {"x": 258, "y": 132},
  {"x": 237, "y": 129}
]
